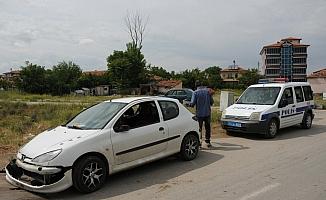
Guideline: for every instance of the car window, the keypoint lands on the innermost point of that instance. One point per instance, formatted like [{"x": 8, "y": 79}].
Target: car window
[
  {"x": 169, "y": 109},
  {"x": 298, "y": 94},
  {"x": 96, "y": 117},
  {"x": 181, "y": 92},
  {"x": 139, "y": 115},
  {"x": 170, "y": 92},
  {"x": 288, "y": 95},
  {"x": 308, "y": 94}
]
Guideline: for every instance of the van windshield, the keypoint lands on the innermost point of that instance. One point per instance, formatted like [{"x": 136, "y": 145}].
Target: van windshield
[{"x": 259, "y": 96}]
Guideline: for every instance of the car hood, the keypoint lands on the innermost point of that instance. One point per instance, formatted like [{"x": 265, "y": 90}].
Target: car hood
[
  {"x": 245, "y": 110},
  {"x": 52, "y": 139}
]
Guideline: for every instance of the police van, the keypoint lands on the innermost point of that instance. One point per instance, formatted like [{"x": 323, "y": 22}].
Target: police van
[{"x": 266, "y": 108}]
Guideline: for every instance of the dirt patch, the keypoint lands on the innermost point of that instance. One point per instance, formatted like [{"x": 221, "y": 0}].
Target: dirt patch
[{"x": 7, "y": 152}]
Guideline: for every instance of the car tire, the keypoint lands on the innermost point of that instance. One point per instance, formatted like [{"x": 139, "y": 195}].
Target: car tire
[
  {"x": 89, "y": 174},
  {"x": 272, "y": 129},
  {"x": 306, "y": 121},
  {"x": 189, "y": 147}
]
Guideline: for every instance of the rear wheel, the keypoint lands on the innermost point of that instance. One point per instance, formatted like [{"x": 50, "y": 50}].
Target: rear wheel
[
  {"x": 271, "y": 129},
  {"x": 306, "y": 121},
  {"x": 89, "y": 174},
  {"x": 189, "y": 147}
]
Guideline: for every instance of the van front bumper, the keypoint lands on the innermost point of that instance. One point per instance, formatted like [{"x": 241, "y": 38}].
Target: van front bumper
[
  {"x": 47, "y": 180},
  {"x": 259, "y": 127}
]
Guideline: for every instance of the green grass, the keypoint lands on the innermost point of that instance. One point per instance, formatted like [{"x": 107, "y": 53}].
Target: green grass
[
  {"x": 25, "y": 97},
  {"x": 19, "y": 122},
  {"x": 319, "y": 101}
]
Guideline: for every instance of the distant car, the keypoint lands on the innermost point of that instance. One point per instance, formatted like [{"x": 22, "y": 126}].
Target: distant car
[
  {"x": 104, "y": 139},
  {"x": 182, "y": 95}
]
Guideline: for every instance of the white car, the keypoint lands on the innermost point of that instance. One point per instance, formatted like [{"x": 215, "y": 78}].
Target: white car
[
  {"x": 266, "y": 108},
  {"x": 104, "y": 139}
]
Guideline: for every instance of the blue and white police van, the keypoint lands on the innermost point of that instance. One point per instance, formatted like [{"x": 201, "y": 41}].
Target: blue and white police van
[{"x": 266, "y": 108}]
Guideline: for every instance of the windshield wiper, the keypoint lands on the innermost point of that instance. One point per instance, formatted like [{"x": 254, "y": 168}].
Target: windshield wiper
[{"x": 75, "y": 127}]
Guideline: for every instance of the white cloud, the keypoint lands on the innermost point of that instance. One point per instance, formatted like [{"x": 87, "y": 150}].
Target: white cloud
[
  {"x": 180, "y": 34},
  {"x": 85, "y": 41}
]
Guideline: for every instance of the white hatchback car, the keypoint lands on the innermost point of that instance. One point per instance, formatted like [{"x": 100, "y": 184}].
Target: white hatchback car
[{"x": 104, "y": 139}]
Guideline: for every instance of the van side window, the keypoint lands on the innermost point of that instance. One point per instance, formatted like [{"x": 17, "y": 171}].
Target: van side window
[
  {"x": 298, "y": 94},
  {"x": 288, "y": 95},
  {"x": 308, "y": 93}
]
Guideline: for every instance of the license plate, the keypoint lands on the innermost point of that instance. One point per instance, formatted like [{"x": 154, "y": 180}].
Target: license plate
[{"x": 235, "y": 124}]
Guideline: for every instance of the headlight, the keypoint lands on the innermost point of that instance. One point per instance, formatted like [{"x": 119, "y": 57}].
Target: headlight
[
  {"x": 46, "y": 157},
  {"x": 223, "y": 114},
  {"x": 255, "y": 116}
]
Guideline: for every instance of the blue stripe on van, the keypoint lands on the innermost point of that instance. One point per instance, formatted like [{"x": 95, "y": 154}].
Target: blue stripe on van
[{"x": 266, "y": 116}]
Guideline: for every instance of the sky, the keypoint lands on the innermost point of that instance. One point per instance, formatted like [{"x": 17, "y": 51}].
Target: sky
[{"x": 179, "y": 35}]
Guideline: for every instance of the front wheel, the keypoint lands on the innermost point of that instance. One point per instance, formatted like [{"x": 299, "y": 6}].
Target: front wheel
[
  {"x": 89, "y": 174},
  {"x": 271, "y": 129},
  {"x": 189, "y": 147},
  {"x": 306, "y": 121}
]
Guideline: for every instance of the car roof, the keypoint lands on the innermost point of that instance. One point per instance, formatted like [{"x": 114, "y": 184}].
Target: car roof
[
  {"x": 131, "y": 99},
  {"x": 281, "y": 84}
]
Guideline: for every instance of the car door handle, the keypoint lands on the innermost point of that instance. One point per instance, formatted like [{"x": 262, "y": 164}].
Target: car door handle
[
  {"x": 161, "y": 129},
  {"x": 293, "y": 106}
]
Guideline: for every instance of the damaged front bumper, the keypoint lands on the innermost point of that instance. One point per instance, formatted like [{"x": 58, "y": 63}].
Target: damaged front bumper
[{"x": 39, "y": 179}]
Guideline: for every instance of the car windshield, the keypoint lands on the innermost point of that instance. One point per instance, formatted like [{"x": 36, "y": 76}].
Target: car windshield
[
  {"x": 259, "y": 96},
  {"x": 95, "y": 117}
]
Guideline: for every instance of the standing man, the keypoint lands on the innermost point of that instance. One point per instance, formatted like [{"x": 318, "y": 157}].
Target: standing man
[{"x": 203, "y": 100}]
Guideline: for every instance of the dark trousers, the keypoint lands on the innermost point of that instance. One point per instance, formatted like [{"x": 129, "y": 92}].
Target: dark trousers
[{"x": 207, "y": 121}]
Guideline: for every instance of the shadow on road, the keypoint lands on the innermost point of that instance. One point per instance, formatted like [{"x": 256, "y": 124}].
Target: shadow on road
[
  {"x": 287, "y": 133},
  {"x": 158, "y": 172},
  {"x": 225, "y": 147}
]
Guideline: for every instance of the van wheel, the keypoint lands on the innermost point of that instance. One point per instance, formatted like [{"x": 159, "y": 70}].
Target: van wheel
[
  {"x": 231, "y": 133},
  {"x": 271, "y": 129},
  {"x": 89, "y": 174},
  {"x": 189, "y": 147},
  {"x": 306, "y": 121}
]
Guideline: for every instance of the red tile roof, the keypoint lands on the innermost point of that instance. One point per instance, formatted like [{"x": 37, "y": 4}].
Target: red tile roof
[
  {"x": 95, "y": 73},
  {"x": 291, "y": 38},
  {"x": 168, "y": 83},
  {"x": 318, "y": 74},
  {"x": 13, "y": 72},
  {"x": 229, "y": 69},
  {"x": 280, "y": 43}
]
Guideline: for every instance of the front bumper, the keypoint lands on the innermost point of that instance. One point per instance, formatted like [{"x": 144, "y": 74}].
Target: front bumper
[
  {"x": 47, "y": 180},
  {"x": 259, "y": 127}
]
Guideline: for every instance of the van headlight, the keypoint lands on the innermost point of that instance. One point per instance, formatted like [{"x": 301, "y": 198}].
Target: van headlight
[
  {"x": 255, "y": 116},
  {"x": 223, "y": 114},
  {"x": 46, "y": 157}
]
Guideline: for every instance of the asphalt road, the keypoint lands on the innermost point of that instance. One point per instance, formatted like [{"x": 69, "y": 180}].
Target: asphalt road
[{"x": 291, "y": 166}]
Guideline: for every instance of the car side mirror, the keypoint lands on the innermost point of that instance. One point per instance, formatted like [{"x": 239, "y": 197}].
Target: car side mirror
[
  {"x": 283, "y": 103},
  {"x": 122, "y": 128}
]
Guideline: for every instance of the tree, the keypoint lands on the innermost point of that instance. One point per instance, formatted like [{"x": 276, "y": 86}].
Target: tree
[
  {"x": 136, "y": 29},
  {"x": 64, "y": 77},
  {"x": 250, "y": 77},
  {"x": 90, "y": 81},
  {"x": 189, "y": 77},
  {"x": 33, "y": 79},
  {"x": 213, "y": 77},
  {"x": 127, "y": 69},
  {"x": 159, "y": 71}
]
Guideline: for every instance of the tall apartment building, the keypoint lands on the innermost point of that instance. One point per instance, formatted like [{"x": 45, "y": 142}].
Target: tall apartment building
[{"x": 285, "y": 59}]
